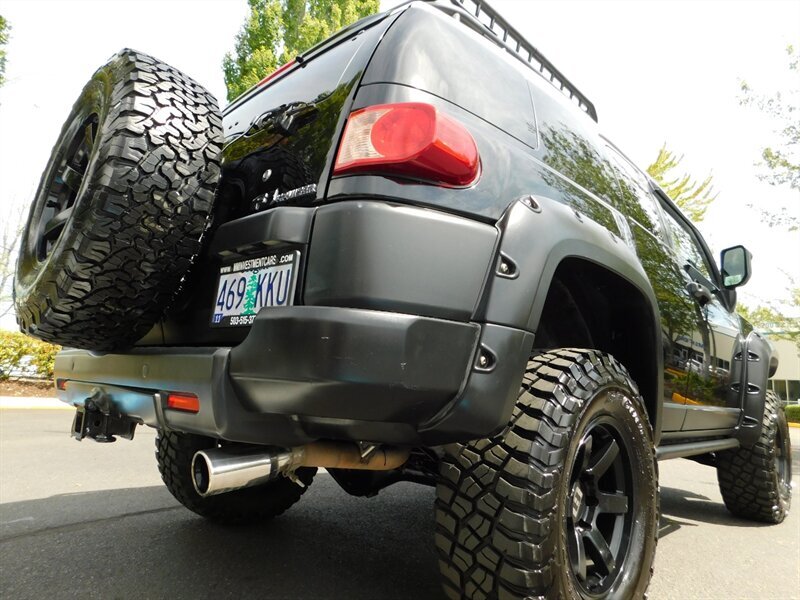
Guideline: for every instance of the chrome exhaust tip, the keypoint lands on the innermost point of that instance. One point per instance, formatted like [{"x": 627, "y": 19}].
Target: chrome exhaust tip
[
  {"x": 216, "y": 471},
  {"x": 220, "y": 470}
]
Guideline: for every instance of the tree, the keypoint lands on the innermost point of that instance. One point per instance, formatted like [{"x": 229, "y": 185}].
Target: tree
[
  {"x": 5, "y": 28},
  {"x": 781, "y": 163},
  {"x": 9, "y": 242},
  {"x": 278, "y": 30},
  {"x": 692, "y": 197}
]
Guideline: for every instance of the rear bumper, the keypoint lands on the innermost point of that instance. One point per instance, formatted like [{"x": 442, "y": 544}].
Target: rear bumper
[
  {"x": 309, "y": 372},
  {"x": 381, "y": 344}
]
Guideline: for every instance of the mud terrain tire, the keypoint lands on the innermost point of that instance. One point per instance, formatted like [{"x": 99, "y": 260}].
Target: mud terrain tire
[
  {"x": 561, "y": 504},
  {"x": 756, "y": 483},
  {"x": 121, "y": 207}
]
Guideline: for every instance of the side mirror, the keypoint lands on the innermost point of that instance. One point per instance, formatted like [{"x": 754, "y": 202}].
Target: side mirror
[{"x": 736, "y": 267}]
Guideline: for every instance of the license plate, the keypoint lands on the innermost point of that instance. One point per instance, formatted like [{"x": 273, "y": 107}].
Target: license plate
[{"x": 247, "y": 286}]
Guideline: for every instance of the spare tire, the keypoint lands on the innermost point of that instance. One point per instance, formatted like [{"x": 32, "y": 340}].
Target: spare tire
[{"x": 121, "y": 208}]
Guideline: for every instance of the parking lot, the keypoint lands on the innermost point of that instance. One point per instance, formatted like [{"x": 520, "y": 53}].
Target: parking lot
[{"x": 92, "y": 521}]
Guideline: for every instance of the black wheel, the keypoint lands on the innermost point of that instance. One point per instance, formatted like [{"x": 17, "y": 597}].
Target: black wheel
[
  {"x": 756, "y": 483},
  {"x": 121, "y": 207},
  {"x": 564, "y": 502},
  {"x": 174, "y": 452}
]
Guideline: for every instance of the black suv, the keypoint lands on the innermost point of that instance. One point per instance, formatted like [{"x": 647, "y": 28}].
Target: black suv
[{"x": 406, "y": 255}]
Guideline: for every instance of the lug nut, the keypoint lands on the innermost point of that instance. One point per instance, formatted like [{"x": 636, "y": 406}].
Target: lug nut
[
  {"x": 504, "y": 268},
  {"x": 483, "y": 361}
]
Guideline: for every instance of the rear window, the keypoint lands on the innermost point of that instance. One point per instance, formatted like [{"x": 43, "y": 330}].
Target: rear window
[
  {"x": 487, "y": 83},
  {"x": 313, "y": 81}
]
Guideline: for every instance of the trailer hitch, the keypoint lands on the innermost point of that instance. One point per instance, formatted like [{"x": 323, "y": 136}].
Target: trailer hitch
[{"x": 99, "y": 420}]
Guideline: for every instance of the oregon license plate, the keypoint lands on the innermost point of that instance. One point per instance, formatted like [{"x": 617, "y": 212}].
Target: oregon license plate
[{"x": 247, "y": 286}]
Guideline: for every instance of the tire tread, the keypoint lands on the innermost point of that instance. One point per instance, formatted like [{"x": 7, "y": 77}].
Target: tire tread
[
  {"x": 496, "y": 498},
  {"x": 147, "y": 205},
  {"x": 747, "y": 478}
]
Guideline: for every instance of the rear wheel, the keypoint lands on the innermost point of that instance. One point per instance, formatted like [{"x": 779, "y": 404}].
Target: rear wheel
[
  {"x": 174, "y": 453},
  {"x": 563, "y": 503},
  {"x": 121, "y": 208},
  {"x": 756, "y": 483}
]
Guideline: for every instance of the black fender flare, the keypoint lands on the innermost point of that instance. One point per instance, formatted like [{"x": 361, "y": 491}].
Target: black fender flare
[
  {"x": 753, "y": 364},
  {"x": 536, "y": 236}
]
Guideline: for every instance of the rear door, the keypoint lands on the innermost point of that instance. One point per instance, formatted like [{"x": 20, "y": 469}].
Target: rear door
[
  {"x": 280, "y": 136},
  {"x": 707, "y": 367},
  {"x": 677, "y": 311}
]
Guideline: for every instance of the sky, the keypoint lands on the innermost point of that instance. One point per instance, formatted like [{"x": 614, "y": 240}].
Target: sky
[{"x": 657, "y": 72}]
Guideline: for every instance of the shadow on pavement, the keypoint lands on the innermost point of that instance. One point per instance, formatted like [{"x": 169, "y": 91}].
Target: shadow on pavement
[
  {"x": 140, "y": 543},
  {"x": 683, "y": 504},
  {"x": 667, "y": 526}
]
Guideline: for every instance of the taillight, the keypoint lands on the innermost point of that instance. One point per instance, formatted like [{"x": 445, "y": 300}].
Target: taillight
[
  {"x": 411, "y": 140},
  {"x": 277, "y": 72}
]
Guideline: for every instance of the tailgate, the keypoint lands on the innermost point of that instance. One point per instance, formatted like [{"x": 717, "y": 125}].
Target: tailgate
[{"x": 280, "y": 136}]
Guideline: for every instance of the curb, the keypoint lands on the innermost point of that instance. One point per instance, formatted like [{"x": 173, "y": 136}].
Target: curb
[
  {"x": 32, "y": 403},
  {"x": 797, "y": 425}
]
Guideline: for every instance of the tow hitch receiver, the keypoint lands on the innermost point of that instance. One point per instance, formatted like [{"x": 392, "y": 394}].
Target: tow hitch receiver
[{"x": 97, "y": 419}]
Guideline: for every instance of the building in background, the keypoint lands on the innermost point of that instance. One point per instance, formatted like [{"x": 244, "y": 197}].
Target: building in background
[{"x": 786, "y": 381}]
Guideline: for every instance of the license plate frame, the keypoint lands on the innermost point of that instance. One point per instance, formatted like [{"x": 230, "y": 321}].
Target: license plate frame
[{"x": 247, "y": 285}]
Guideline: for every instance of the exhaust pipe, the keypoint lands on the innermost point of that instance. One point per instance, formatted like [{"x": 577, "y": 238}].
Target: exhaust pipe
[{"x": 220, "y": 470}]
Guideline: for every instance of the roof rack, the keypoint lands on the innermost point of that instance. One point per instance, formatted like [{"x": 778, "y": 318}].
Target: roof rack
[{"x": 481, "y": 17}]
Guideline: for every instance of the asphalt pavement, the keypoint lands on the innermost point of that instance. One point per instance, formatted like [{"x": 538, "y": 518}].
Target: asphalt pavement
[{"x": 85, "y": 520}]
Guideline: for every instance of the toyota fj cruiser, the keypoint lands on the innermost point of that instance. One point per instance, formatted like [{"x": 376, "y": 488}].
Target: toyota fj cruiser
[{"x": 406, "y": 255}]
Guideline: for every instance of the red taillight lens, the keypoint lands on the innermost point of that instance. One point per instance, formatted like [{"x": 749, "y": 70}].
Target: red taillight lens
[
  {"x": 411, "y": 140},
  {"x": 277, "y": 72},
  {"x": 185, "y": 402}
]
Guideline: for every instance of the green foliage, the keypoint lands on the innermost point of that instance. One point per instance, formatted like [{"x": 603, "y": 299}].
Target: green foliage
[
  {"x": 693, "y": 197},
  {"x": 278, "y": 30},
  {"x": 781, "y": 162},
  {"x": 15, "y": 346},
  {"x": 5, "y": 28},
  {"x": 792, "y": 413}
]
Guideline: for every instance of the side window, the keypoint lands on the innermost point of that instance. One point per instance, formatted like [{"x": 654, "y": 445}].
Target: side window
[
  {"x": 684, "y": 245},
  {"x": 570, "y": 146},
  {"x": 489, "y": 82},
  {"x": 637, "y": 201}
]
